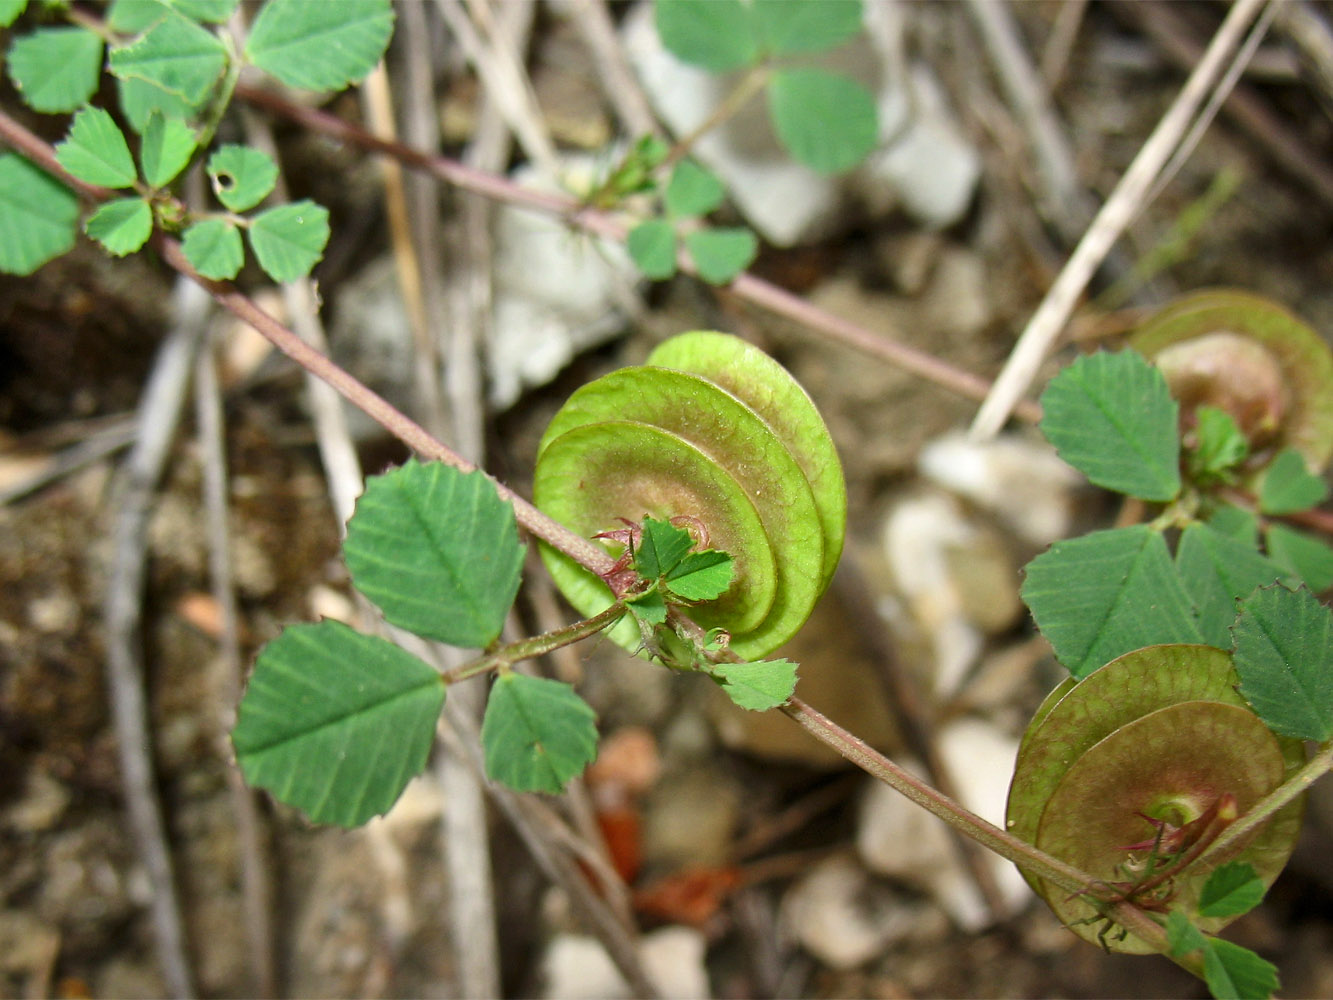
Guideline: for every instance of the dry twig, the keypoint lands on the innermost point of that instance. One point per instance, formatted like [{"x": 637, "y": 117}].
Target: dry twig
[
  {"x": 159, "y": 415},
  {"x": 1244, "y": 105},
  {"x": 1063, "y": 202},
  {"x": 256, "y": 883},
  {"x": 1124, "y": 203}
]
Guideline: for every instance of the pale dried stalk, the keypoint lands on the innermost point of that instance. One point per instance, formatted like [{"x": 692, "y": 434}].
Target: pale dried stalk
[
  {"x": 159, "y": 415},
  {"x": 255, "y": 874},
  {"x": 1125, "y": 201}
]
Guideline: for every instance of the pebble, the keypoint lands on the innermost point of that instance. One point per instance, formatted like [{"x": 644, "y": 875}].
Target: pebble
[
  {"x": 577, "y": 967},
  {"x": 1018, "y": 478},
  {"x": 842, "y": 916},
  {"x": 690, "y": 818},
  {"x": 899, "y": 839},
  {"x": 925, "y": 164},
  {"x": 556, "y": 293},
  {"x": 955, "y": 579}
]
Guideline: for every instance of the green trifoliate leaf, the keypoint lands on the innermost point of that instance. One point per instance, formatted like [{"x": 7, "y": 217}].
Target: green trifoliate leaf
[
  {"x": 757, "y": 686},
  {"x": 1284, "y": 656},
  {"x": 1220, "y": 446},
  {"x": 210, "y": 11},
  {"x": 95, "y": 150},
  {"x": 791, "y": 26},
  {"x": 719, "y": 254},
  {"x": 649, "y": 606},
  {"x": 437, "y": 550},
  {"x": 289, "y": 240},
  {"x": 10, "y": 10},
  {"x": 664, "y": 553},
  {"x": 336, "y": 723},
  {"x": 718, "y": 35},
  {"x": 1183, "y": 936},
  {"x": 122, "y": 226},
  {"x": 537, "y": 733},
  {"x": 242, "y": 177},
  {"x": 652, "y": 247},
  {"x": 1308, "y": 557},
  {"x": 38, "y": 216},
  {"x": 701, "y": 576},
  {"x": 1289, "y": 486},
  {"x": 56, "y": 69},
  {"x": 140, "y": 98},
  {"x": 175, "y": 54},
  {"x": 1236, "y": 973},
  {"x": 693, "y": 190},
  {"x": 1218, "y": 571},
  {"x": 213, "y": 248},
  {"x": 1106, "y": 594},
  {"x": 130, "y": 17},
  {"x": 825, "y": 120},
  {"x": 661, "y": 547},
  {"x": 316, "y": 45},
  {"x": 1232, "y": 889},
  {"x": 1235, "y": 523},
  {"x": 168, "y": 144},
  {"x": 1111, "y": 416}
]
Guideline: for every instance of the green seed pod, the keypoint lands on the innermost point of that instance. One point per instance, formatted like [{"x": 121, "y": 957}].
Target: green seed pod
[
  {"x": 1146, "y": 745},
  {"x": 712, "y": 429}
]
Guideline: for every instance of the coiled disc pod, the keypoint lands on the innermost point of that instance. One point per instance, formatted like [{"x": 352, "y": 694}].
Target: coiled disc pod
[
  {"x": 1159, "y": 734},
  {"x": 1251, "y": 357},
  {"x": 714, "y": 430}
]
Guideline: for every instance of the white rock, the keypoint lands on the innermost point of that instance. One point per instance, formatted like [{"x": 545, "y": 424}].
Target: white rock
[
  {"x": 556, "y": 292},
  {"x": 1021, "y": 480},
  {"x": 786, "y": 202},
  {"x": 577, "y": 967},
  {"x": 840, "y": 916},
  {"x": 929, "y": 166},
  {"x": 924, "y": 163},
  {"x": 918, "y": 534},
  {"x": 897, "y": 838}
]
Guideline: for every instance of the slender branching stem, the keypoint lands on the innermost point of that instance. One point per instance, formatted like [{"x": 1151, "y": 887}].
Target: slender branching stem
[
  {"x": 746, "y": 287},
  {"x": 1020, "y": 852},
  {"x": 746, "y": 89},
  {"x": 538, "y": 645},
  {"x": 375, "y": 406}
]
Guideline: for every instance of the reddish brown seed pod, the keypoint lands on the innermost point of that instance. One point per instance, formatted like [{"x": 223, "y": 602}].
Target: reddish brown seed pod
[
  {"x": 1153, "y": 752},
  {"x": 1253, "y": 358}
]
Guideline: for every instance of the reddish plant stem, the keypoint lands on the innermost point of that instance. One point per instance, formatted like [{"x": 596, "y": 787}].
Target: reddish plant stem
[
  {"x": 746, "y": 287},
  {"x": 43, "y": 155},
  {"x": 580, "y": 549},
  {"x": 379, "y": 409},
  {"x": 1052, "y": 869}
]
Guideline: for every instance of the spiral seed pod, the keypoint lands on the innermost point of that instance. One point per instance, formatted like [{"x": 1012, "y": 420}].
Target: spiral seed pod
[
  {"x": 712, "y": 429},
  {"x": 1129, "y": 758},
  {"x": 1249, "y": 356}
]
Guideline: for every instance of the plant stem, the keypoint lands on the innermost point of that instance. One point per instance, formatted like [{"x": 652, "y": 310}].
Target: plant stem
[
  {"x": 396, "y": 422},
  {"x": 755, "y": 79},
  {"x": 882, "y": 344},
  {"x": 1036, "y": 862},
  {"x": 538, "y": 645},
  {"x": 1263, "y": 810},
  {"x": 856, "y": 750}
]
